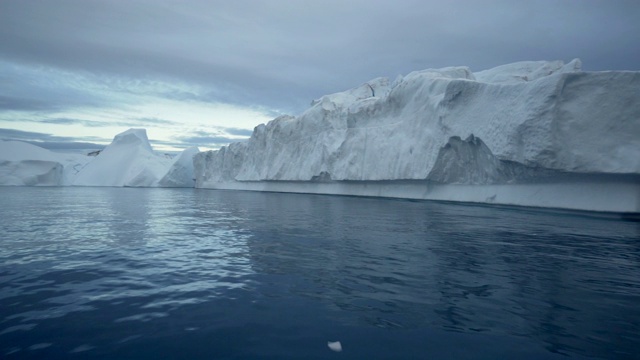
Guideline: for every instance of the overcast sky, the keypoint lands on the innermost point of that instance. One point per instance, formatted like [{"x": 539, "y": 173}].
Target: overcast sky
[{"x": 77, "y": 72}]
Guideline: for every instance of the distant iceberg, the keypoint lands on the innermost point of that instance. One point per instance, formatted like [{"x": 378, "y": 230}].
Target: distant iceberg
[
  {"x": 128, "y": 161},
  {"x": 530, "y": 133},
  {"x": 23, "y": 164}
]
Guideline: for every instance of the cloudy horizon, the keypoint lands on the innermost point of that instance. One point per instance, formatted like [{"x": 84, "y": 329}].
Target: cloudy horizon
[{"x": 204, "y": 73}]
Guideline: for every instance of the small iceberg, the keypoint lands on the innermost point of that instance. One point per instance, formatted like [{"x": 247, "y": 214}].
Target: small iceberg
[{"x": 335, "y": 346}]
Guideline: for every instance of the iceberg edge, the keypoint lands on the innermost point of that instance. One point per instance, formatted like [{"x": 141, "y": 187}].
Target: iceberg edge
[{"x": 614, "y": 195}]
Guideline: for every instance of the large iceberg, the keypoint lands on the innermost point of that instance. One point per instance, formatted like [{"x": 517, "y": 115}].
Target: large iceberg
[
  {"x": 128, "y": 161},
  {"x": 531, "y": 133}
]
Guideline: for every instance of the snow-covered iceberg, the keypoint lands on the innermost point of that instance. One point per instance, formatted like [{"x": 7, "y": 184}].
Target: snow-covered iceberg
[
  {"x": 530, "y": 133},
  {"x": 23, "y": 164},
  {"x": 128, "y": 161}
]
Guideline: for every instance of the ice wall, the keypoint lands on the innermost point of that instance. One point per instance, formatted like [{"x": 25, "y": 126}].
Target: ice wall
[{"x": 534, "y": 120}]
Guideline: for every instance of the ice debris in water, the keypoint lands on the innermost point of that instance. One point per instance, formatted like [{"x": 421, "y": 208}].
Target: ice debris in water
[{"x": 335, "y": 346}]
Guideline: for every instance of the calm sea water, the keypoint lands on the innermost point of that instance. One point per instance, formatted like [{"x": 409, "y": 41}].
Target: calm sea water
[{"x": 198, "y": 274}]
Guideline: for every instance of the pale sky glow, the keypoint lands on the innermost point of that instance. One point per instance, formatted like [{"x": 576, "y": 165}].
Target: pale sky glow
[
  {"x": 204, "y": 73},
  {"x": 174, "y": 114}
]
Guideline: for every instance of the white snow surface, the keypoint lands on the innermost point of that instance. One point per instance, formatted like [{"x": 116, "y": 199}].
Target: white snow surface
[
  {"x": 538, "y": 114},
  {"x": 128, "y": 161}
]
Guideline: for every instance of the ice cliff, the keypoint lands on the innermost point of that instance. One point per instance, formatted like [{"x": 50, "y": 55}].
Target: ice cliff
[
  {"x": 128, "y": 161},
  {"x": 535, "y": 133}
]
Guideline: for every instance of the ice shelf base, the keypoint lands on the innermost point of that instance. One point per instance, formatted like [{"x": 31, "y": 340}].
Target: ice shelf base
[{"x": 620, "y": 195}]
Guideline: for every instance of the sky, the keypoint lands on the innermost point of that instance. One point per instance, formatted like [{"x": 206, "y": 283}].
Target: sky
[{"x": 75, "y": 73}]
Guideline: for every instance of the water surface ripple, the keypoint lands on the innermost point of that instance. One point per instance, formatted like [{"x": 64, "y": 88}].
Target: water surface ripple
[{"x": 184, "y": 273}]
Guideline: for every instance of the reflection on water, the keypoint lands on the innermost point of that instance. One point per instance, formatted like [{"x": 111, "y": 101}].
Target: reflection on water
[
  {"x": 142, "y": 272},
  {"x": 571, "y": 282},
  {"x": 80, "y": 246}
]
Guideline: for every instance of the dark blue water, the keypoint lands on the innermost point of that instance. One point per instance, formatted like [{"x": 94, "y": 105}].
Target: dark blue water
[{"x": 194, "y": 274}]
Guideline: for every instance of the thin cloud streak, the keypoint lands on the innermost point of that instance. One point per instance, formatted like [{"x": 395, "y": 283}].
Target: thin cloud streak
[
  {"x": 67, "y": 145},
  {"x": 238, "y": 132},
  {"x": 47, "y": 141},
  {"x": 214, "y": 139},
  {"x": 9, "y": 134},
  {"x": 133, "y": 122}
]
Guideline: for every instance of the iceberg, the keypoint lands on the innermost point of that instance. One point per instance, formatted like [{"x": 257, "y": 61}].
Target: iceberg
[
  {"x": 534, "y": 133},
  {"x": 128, "y": 161},
  {"x": 23, "y": 164},
  {"x": 180, "y": 173}
]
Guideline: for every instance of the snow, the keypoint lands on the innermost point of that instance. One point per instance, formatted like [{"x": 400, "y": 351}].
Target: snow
[
  {"x": 128, "y": 161},
  {"x": 526, "y": 125}
]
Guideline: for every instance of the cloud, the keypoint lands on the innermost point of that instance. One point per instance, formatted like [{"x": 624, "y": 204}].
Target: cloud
[
  {"x": 285, "y": 53},
  {"x": 132, "y": 122},
  {"x": 9, "y": 134},
  {"x": 10, "y": 103},
  {"x": 207, "y": 140},
  {"x": 46, "y": 90},
  {"x": 216, "y": 137},
  {"x": 66, "y": 145},
  {"x": 67, "y": 121},
  {"x": 47, "y": 141},
  {"x": 274, "y": 56},
  {"x": 238, "y": 132},
  {"x": 152, "y": 121},
  {"x": 221, "y": 136},
  {"x": 200, "y": 142}
]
